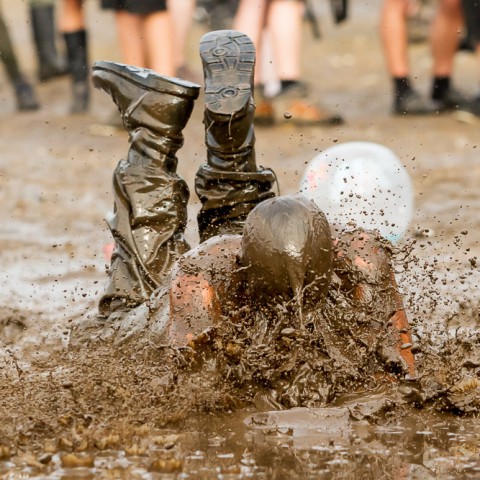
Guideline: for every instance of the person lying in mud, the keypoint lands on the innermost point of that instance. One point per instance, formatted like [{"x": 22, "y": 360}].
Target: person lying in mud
[{"x": 274, "y": 257}]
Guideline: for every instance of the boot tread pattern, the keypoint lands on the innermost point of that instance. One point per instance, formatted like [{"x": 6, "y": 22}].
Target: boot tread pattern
[{"x": 228, "y": 59}]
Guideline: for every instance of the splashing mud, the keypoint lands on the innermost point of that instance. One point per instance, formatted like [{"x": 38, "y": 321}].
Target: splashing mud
[{"x": 141, "y": 410}]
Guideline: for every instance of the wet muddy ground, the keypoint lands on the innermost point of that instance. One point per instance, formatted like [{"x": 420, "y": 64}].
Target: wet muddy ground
[{"x": 109, "y": 409}]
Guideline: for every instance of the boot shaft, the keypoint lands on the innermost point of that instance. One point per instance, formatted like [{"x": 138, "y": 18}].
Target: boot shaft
[
  {"x": 154, "y": 109},
  {"x": 50, "y": 63},
  {"x": 230, "y": 184},
  {"x": 230, "y": 141},
  {"x": 150, "y": 198},
  {"x": 228, "y": 60},
  {"x": 77, "y": 55}
]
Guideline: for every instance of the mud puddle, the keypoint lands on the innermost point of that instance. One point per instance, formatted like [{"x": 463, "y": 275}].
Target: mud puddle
[{"x": 293, "y": 444}]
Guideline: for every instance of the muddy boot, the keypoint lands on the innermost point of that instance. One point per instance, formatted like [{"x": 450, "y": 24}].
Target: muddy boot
[
  {"x": 50, "y": 63},
  {"x": 76, "y": 43},
  {"x": 230, "y": 184},
  {"x": 150, "y": 199}
]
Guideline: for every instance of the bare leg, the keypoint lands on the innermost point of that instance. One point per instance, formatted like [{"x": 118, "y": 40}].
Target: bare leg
[
  {"x": 72, "y": 17},
  {"x": 72, "y": 24},
  {"x": 182, "y": 16},
  {"x": 268, "y": 67},
  {"x": 251, "y": 19},
  {"x": 285, "y": 27},
  {"x": 444, "y": 36},
  {"x": 393, "y": 30},
  {"x": 129, "y": 28},
  {"x": 157, "y": 28}
]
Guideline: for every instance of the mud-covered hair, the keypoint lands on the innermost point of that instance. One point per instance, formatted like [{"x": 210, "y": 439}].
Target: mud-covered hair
[{"x": 287, "y": 250}]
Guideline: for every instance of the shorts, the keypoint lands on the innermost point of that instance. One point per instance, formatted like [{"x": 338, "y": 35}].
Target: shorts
[{"x": 141, "y": 7}]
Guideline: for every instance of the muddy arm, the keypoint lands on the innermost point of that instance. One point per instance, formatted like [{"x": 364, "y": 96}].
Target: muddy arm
[
  {"x": 398, "y": 329},
  {"x": 363, "y": 263},
  {"x": 194, "y": 307},
  {"x": 200, "y": 285},
  {"x": 401, "y": 329}
]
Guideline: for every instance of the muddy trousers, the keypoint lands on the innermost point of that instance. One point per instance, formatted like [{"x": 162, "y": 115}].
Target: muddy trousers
[{"x": 150, "y": 216}]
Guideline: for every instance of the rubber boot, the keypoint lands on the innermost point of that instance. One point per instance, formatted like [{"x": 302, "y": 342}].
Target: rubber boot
[
  {"x": 150, "y": 199},
  {"x": 25, "y": 95},
  {"x": 230, "y": 184},
  {"x": 50, "y": 63},
  {"x": 24, "y": 92},
  {"x": 76, "y": 43}
]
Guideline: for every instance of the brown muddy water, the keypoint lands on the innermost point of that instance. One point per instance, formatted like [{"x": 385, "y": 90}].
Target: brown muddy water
[
  {"x": 294, "y": 447},
  {"x": 111, "y": 412}
]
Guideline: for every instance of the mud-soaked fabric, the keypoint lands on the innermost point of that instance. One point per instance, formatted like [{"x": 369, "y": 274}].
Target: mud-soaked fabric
[
  {"x": 147, "y": 224},
  {"x": 230, "y": 184},
  {"x": 150, "y": 199}
]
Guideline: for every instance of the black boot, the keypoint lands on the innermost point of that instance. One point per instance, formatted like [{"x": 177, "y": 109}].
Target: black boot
[
  {"x": 25, "y": 95},
  {"x": 150, "y": 211},
  {"x": 50, "y": 63},
  {"x": 230, "y": 184},
  {"x": 76, "y": 43}
]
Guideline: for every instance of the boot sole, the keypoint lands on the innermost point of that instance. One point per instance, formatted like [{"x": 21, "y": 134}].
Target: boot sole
[
  {"x": 144, "y": 77},
  {"x": 228, "y": 60}
]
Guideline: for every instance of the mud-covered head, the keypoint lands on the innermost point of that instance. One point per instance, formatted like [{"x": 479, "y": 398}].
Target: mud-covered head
[{"x": 287, "y": 250}]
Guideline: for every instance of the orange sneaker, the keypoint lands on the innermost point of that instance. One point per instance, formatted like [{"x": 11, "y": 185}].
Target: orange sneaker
[
  {"x": 294, "y": 106},
  {"x": 264, "y": 111},
  {"x": 304, "y": 113}
]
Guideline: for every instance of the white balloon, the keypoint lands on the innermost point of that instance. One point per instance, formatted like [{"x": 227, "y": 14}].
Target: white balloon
[{"x": 363, "y": 184}]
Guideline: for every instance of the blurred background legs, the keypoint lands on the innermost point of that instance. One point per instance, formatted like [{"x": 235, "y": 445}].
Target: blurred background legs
[
  {"x": 24, "y": 93},
  {"x": 145, "y": 32},
  {"x": 283, "y": 19},
  {"x": 182, "y": 13},
  {"x": 129, "y": 31},
  {"x": 158, "y": 34},
  {"x": 445, "y": 40},
  {"x": 72, "y": 25},
  {"x": 394, "y": 37},
  {"x": 42, "y": 16},
  {"x": 444, "y": 44}
]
